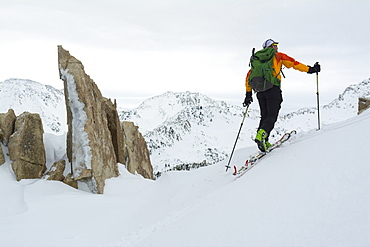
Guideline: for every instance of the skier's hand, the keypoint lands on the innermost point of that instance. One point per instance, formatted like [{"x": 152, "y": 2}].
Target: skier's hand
[
  {"x": 248, "y": 99},
  {"x": 315, "y": 69}
]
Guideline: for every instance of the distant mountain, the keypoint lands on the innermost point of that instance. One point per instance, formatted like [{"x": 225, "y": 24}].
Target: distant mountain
[
  {"x": 191, "y": 127},
  {"x": 26, "y": 95},
  {"x": 188, "y": 127},
  {"x": 341, "y": 108},
  {"x": 182, "y": 127}
]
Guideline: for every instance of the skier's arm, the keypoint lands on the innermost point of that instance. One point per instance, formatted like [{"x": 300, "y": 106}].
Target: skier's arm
[
  {"x": 248, "y": 95},
  {"x": 290, "y": 62},
  {"x": 248, "y": 88}
]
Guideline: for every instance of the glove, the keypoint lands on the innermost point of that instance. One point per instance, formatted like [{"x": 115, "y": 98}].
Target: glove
[
  {"x": 315, "y": 69},
  {"x": 248, "y": 99}
]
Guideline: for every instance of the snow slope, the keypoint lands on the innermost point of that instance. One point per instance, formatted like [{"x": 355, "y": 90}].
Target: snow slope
[{"x": 314, "y": 191}]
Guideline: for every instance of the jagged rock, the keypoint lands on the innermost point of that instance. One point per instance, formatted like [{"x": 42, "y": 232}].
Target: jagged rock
[
  {"x": 114, "y": 126},
  {"x": 2, "y": 157},
  {"x": 26, "y": 147},
  {"x": 7, "y": 121},
  {"x": 89, "y": 142},
  {"x": 363, "y": 104},
  {"x": 56, "y": 171},
  {"x": 137, "y": 151},
  {"x": 70, "y": 181}
]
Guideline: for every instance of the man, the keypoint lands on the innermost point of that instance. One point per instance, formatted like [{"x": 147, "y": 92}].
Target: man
[{"x": 271, "y": 99}]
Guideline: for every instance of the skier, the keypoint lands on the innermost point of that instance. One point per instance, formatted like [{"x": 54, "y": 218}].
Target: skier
[{"x": 271, "y": 99}]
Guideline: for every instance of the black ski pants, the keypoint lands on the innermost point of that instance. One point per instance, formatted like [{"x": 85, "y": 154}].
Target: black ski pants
[{"x": 270, "y": 104}]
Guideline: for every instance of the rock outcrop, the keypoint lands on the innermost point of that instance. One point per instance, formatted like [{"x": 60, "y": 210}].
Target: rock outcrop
[
  {"x": 26, "y": 147},
  {"x": 114, "y": 126},
  {"x": 89, "y": 142},
  {"x": 70, "y": 181},
  {"x": 363, "y": 104},
  {"x": 2, "y": 157},
  {"x": 95, "y": 140},
  {"x": 7, "y": 121},
  {"x": 56, "y": 171},
  {"x": 138, "y": 159}
]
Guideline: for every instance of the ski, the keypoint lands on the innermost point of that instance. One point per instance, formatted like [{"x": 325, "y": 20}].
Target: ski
[{"x": 252, "y": 161}]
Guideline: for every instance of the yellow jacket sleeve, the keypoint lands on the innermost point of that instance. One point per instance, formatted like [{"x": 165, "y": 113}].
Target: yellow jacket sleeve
[
  {"x": 289, "y": 62},
  {"x": 247, "y": 86}
]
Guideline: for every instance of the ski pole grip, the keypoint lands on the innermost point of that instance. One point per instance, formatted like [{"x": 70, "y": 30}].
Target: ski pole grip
[{"x": 317, "y": 64}]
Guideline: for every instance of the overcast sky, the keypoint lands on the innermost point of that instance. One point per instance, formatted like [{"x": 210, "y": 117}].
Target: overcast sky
[{"x": 138, "y": 49}]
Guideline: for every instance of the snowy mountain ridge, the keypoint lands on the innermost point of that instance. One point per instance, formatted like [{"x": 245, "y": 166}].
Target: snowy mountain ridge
[
  {"x": 182, "y": 127},
  {"x": 207, "y": 128},
  {"x": 159, "y": 109},
  {"x": 27, "y": 95},
  {"x": 188, "y": 124}
]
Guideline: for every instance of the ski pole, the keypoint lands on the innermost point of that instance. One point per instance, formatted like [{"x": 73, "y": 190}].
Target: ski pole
[
  {"x": 237, "y": 137},
  {"x": 317, "y": 93}
]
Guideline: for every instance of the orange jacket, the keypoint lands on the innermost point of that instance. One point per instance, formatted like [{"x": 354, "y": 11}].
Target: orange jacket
[{"x": 279, "y": 60}]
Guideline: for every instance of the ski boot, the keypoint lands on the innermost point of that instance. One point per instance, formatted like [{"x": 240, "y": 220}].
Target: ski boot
[
  {"x": 261, "y": 140},
  {"x": 268, "y": 145}
]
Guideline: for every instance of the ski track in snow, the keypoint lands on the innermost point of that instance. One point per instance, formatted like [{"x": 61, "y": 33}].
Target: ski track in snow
[{"x": 134, "y": 238}]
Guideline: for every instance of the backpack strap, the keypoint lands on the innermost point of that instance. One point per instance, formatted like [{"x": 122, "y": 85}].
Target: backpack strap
[{"x": 281, "y": 69}]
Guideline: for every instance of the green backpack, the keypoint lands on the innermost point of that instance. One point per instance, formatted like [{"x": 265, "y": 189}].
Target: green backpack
[{"x": 261, "y": 78}]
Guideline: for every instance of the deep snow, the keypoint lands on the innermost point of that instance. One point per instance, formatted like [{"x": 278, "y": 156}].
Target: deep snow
[{"x": 314, "y": 191}]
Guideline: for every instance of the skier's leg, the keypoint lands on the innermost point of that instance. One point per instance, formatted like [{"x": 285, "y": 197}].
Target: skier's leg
[
  {"x": 273, "y": 104},
  {"x": 262, "y": 102}
]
